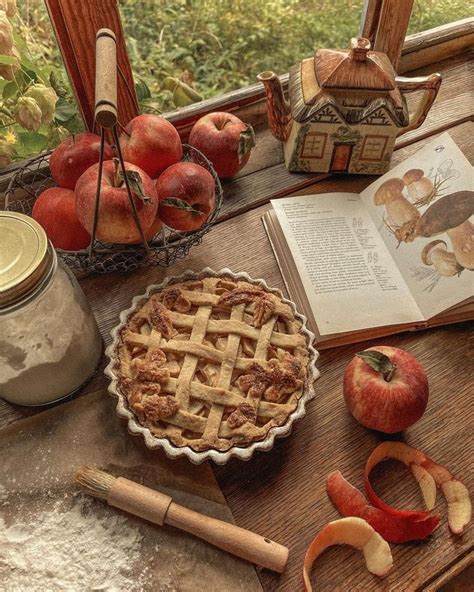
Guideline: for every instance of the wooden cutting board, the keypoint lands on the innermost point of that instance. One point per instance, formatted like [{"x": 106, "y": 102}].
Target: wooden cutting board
[{"x": 39, "y": 457}]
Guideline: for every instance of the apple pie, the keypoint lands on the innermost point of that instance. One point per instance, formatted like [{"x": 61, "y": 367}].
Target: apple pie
[{"x": 214, "y": 362}]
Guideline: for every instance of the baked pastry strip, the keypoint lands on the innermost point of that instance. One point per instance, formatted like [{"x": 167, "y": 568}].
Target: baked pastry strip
[{"x": 214, "y": 420}]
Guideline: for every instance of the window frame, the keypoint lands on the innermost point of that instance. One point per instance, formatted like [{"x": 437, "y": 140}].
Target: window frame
[{"x": 75, "y": 25}]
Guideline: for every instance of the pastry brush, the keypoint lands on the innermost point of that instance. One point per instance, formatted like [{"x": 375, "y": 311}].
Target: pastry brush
[{"x": 160, "y": 509}]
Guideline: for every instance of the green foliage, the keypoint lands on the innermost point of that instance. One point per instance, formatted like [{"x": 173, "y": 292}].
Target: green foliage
[{"x": 220, "y": 45}]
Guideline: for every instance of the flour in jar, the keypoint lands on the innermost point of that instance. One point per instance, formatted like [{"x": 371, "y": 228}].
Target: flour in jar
[
  {"x": 49, "y": 347},
  {"x": 68, "y": 551}
]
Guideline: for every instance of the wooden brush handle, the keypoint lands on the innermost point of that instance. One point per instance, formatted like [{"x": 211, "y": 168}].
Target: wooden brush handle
[
  {"x": 231, "y": 538},
  {"x": 160, "y": 509},
  {"x": 105, "y": 78}
]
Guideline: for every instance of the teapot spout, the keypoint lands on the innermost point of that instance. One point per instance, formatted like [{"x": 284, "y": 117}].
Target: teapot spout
[{"x": 279, "y": 113}]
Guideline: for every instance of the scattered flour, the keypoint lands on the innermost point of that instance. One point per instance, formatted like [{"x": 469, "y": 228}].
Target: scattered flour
[
  {"x": 70, "y": 551},
  {"x": 3, "y": 495}
]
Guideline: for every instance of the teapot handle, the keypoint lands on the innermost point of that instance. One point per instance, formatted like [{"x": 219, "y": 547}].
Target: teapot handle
[{"x": 430, "y": 84}]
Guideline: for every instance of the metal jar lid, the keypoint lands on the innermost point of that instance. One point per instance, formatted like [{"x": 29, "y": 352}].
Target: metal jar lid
[{"x": 26, "y": 257}]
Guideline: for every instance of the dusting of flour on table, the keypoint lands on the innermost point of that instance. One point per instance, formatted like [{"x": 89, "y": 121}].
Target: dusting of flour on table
[
  {"x": 68, "y": 551},
  {"x": 3, "y": 495}
]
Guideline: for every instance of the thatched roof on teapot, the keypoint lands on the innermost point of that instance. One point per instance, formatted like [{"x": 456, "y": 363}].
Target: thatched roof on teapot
[
  {"x": 357, "y": 68},
  {"x": 352, "y": 106}
]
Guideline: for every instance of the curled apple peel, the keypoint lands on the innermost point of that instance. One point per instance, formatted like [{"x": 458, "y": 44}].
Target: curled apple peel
[
  {"x": 427, "y": 484},
  {"x": 397, "y": 451},
  {"x": 349, "y": 501},
  {"x": 455, "y": 492},
  {"x": 357, "y": 533}
]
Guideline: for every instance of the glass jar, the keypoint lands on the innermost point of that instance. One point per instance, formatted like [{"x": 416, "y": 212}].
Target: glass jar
[{"x": 49, "y": 340}]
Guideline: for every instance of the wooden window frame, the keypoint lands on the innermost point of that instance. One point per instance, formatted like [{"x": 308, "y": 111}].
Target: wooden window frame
[{"x": 75, "y": 24}]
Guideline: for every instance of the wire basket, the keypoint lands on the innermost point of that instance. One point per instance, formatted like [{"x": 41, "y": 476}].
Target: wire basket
[{"x": 166, "y": 247}]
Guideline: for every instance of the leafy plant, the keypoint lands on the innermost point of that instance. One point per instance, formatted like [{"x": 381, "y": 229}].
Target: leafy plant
[{"x": 36, "y": 109}]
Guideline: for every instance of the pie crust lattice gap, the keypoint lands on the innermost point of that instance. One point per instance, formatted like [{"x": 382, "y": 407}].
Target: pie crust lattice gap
[{"x": 212, "y": 363}]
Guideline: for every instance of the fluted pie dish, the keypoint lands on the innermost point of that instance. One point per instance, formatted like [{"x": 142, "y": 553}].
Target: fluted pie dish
[{"x": 211, "y": 365}]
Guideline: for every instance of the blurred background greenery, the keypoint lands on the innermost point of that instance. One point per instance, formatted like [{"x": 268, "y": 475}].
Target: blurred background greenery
[{"x": 185, "y": 50}]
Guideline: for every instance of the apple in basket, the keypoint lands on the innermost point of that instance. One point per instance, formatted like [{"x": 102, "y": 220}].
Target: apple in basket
[
  {"x": 74, "y": 156},
  {"x": 187, "y": 196},
  {"x": 116, "y": 223},
  {"x": 55, "y": 210},
  {"x": 152, "y": 143},
  {"x": 385, "y": 389},
  {"x": 225, "y": 140}
]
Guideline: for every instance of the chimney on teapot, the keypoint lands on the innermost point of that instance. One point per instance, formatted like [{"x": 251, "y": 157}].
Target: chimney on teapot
[{"x": 359, "y": 48}]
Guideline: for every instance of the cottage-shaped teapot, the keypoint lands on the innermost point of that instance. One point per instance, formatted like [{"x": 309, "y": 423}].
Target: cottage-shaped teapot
[{"x": 346, "y": 108}]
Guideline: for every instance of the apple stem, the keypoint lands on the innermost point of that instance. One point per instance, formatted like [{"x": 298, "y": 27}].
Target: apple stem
[
  {"x": 387, "y": 376},
  {"x": 378, "y": 362}
]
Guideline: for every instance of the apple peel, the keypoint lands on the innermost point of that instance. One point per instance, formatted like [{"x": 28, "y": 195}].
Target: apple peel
[
  {"x": 454, "y": 491},
  {"x": 349, "y": 501},
  {"x": 357, "y": 533},
  {"x": 427, "y": 484},
  {"x": 404, "y": 454}
]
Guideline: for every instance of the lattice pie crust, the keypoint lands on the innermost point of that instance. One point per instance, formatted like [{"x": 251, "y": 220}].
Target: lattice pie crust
[{"x": 212, "y": 363}]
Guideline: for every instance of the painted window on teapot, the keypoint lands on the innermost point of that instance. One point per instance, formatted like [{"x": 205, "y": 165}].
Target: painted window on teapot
[
  {"x": 314, "y": 144},
  {"x": 326, "y": 115},
  {"x": 373, "y": 147},
  {"x": 379, "y": 117}
]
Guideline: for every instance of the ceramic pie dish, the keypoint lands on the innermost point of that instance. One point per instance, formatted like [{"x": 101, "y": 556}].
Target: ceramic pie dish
[{"x": 211, "y": 365}]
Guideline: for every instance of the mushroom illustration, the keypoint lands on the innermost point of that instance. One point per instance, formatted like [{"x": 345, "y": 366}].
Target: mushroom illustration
[
  {"x": 418, "y": 186},
  {"x": 451, "y": 214},
  {"x": 402, "y": 215},
  {"x": 436, "y": 253}
]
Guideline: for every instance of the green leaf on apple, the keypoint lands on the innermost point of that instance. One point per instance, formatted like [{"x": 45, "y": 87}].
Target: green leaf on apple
[
  {"x": 378, "y": 362},
  {"x": 246, "y": 142},
  {"x": 135, "y": 182},
  {"x": 180, "y": 204}
]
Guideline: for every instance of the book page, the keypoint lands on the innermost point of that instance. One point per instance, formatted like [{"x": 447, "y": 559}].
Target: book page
[
  {"x": 346, "y": 270},
  {"x": 426, "y": 221}
]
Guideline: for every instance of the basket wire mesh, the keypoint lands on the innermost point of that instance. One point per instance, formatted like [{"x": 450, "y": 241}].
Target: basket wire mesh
[{"x": 165, "y": 248}]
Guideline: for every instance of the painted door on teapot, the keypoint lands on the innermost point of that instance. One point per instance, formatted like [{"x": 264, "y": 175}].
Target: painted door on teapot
[{"x": 341, "y": 157}]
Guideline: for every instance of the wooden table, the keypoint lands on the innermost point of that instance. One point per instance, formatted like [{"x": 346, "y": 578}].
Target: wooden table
[{"x": 281, "y": 494}]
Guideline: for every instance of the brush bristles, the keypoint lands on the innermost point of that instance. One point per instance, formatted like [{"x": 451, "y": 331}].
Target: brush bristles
[{"x": 94, "y": 481}]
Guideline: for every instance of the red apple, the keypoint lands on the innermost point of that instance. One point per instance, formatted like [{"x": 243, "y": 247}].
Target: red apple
[
  {"x": 385, "y": 389},
  {"x": 74, "y": 156},
  {"x": 187, "y": 196},
  {"x": 150, "y": 232},
  {"x": 152, "y": 143},
  {"x": 55, "y": 210},
  {"x": 225, "y": 140},
  {"x": 116, "y": 222}
]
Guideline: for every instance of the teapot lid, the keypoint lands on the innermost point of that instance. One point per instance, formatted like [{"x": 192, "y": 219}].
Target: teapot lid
[{"x": 357, "y": 68}]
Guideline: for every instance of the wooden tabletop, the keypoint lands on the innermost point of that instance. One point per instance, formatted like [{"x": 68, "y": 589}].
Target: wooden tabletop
[{"x": 281, "y": 494}]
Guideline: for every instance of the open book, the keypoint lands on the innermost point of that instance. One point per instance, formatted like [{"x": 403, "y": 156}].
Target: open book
[{"x": 398, "y": 256}]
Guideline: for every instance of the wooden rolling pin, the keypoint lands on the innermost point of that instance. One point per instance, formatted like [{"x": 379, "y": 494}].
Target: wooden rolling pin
[{"x": 160, "y": 509}]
